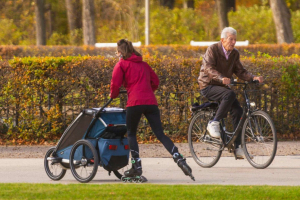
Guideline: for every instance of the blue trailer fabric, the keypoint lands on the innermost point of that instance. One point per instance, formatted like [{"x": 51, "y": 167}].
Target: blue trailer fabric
[
  {"x": 65, "y": 153},
  {"x": 108, "y": 118},
  {"x": 106, "y": 153},
  {"x": 87, "y": 153}
]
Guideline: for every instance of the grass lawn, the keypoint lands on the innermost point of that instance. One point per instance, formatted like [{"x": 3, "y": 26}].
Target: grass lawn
[{"x": 145, "y": 191}]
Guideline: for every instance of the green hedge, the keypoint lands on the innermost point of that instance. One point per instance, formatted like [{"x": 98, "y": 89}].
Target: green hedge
[{"x": 40, "y": 96}]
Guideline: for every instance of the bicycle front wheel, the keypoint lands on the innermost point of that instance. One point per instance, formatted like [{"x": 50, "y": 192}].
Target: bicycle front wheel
[
  {"x": 204, "y": 149},
  {"x": 259, "y": 139}
]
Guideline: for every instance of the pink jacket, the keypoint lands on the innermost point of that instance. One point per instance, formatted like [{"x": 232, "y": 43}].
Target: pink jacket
[{"x": 139, "y": 80}]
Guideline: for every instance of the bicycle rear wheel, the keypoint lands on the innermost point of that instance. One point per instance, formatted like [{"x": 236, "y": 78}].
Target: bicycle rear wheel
[
  {"x": 204, "y": 149},
  {"x": 259, "y": 139}
]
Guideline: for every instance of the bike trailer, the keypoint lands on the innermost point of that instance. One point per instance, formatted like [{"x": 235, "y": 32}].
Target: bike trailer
[{"x": 106, "y": 135}]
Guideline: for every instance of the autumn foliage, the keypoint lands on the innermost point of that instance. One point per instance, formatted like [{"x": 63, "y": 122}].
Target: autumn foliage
[
  {"x": 41, "y": 95},
  {"x": 186, "y": 51}
]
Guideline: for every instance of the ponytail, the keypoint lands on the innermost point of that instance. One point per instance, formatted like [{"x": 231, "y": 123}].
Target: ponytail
[{"x": 126, "y": 48}]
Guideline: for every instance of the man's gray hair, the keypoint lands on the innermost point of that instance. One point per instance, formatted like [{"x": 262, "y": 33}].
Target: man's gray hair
[{"x": 227, "y": 30}]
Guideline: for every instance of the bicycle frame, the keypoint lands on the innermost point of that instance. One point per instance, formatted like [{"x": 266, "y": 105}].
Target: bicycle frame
[{"x": 246, "y": 114}]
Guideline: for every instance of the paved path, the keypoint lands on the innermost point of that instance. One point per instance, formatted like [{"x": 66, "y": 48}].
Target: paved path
[
  {"x": 287, "y": 148},
  {"x": 285, "y": 170}
]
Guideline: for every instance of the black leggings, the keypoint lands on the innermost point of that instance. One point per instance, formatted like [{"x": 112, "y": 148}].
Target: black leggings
[
  {"x": 151, "y": 112},
  {"x": 228, "y": 102}
]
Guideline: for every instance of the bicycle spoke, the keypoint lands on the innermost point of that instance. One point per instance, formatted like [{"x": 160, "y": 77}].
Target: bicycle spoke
[
  {"x": 196, "y": 126},
  {"x": 263, "y": 127},
  {"x": 198, "y": 138}
]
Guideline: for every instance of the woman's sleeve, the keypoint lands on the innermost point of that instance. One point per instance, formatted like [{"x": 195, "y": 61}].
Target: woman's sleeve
[
  {"x": 116, "y": 81},
  {"x": 153, "y": 79}
]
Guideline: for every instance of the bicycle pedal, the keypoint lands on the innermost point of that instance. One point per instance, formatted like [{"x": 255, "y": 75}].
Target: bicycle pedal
[{"x": 231, "y": 149}]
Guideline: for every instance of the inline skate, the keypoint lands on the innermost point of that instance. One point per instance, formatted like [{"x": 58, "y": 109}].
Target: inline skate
[
  {"x": 135, "y": 173},
  {"x": 178, "y": 158}
]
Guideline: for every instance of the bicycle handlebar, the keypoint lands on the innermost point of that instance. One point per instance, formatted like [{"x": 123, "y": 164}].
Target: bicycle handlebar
[{"x": 234, "y": 82}]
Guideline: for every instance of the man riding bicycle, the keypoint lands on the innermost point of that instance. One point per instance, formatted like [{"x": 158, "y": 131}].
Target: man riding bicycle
[{"x": 220, "y": 62}]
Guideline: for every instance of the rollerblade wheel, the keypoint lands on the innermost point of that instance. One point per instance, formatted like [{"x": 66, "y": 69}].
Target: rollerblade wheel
[
  {"x": 143, "y": 179},
  {"x": 123, "y": 179}
]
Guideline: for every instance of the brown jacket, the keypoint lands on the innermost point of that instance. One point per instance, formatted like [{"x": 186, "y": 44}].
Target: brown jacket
[{"x": 215, "y": 67}]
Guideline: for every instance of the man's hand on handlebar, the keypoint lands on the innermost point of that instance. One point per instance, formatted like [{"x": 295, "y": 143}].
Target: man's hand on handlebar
[
  {"x": 259, "y": 79},
  {"x": 226, "y": 81}
]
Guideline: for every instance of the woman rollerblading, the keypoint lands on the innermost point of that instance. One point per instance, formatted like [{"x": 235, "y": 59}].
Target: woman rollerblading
[{"x": 140, "y": 82}]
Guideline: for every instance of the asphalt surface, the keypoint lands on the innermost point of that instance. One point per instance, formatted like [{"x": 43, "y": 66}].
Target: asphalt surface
[{"x": 285, "y": 170}]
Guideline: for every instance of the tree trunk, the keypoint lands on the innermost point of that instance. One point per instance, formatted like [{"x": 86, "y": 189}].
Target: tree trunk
[
  {"x": 230, "y": 4},
  {"x": 49, "y": 18},
  {"x": 282, "y": 20},
  {"x": 74, "y": 18},
  {"x": 189, "y": 4},
  {"x": 40, "y": 22},
  {"x": 222, "y": 13},
  {"x": 167, "y": 3},
  {"x": 88, "y": 17}
]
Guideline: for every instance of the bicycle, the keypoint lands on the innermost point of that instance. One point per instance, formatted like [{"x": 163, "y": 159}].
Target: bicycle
[{"x": 259, "y": 138}]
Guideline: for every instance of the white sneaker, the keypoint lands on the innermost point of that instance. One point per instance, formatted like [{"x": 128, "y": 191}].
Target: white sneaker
[
  {"x": 213, "y": 128},
  {"x": 240, "y": 153}
]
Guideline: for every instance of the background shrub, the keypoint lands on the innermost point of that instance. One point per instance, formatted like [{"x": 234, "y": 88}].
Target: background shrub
[
  {"x": 40, "y": 96},
  {"x": 155, "y": 51}
]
